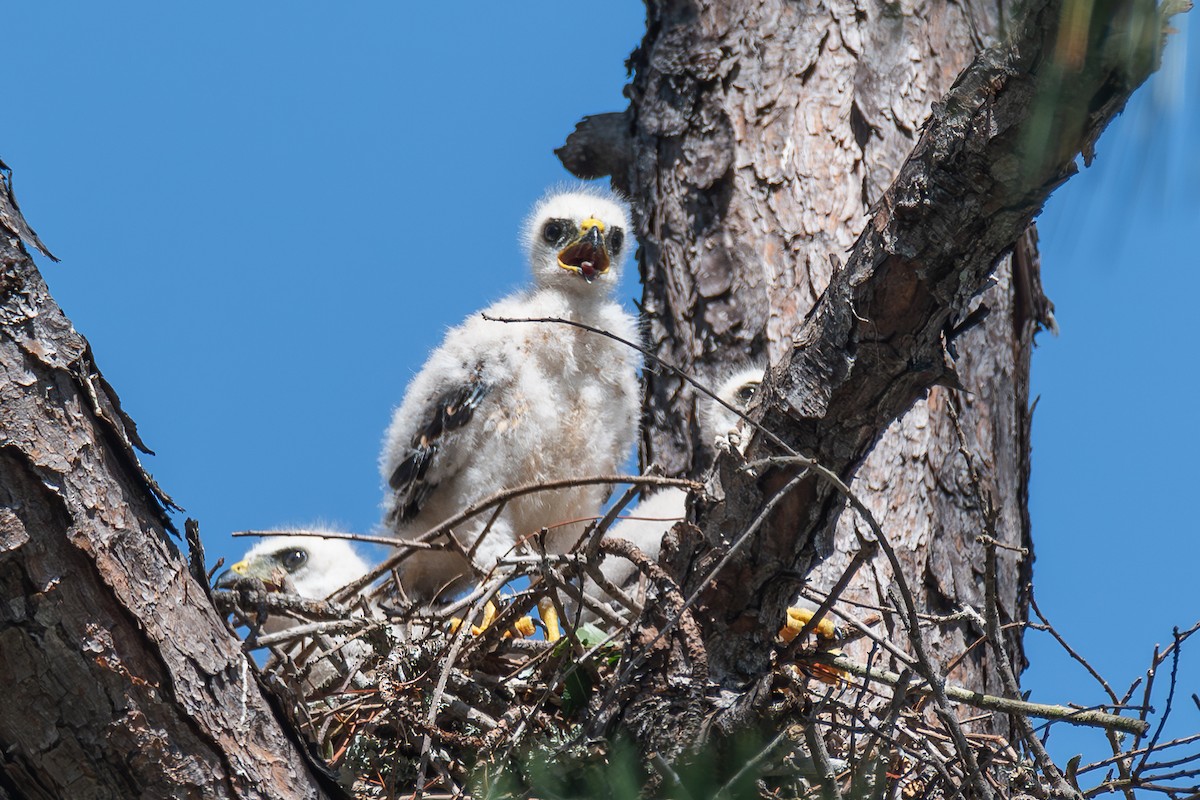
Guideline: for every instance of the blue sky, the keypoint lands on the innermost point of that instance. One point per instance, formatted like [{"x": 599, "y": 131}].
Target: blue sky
[{"x": 261, "y": 212}]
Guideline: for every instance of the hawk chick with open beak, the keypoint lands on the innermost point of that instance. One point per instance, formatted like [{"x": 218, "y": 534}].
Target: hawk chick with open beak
[{"x": 499, "y": 405}]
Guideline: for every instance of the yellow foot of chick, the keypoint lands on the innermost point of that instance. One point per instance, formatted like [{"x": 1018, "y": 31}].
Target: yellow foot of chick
[
  {"x": 797, "y": 618},
  {"x": 549, "y": 615},
  {"x": 524, "y": 627}
]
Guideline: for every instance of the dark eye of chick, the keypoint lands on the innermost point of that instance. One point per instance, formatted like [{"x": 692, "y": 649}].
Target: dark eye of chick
[
  {"x": 746, "y": 392},
  {"x": 616, "y": 240},
  {"x": 553, "y": 231},
  {"x": 292, "y": 560}
]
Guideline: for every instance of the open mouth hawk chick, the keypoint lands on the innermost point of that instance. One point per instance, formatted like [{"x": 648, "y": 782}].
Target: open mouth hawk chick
[{"x": 498, "y": 405}]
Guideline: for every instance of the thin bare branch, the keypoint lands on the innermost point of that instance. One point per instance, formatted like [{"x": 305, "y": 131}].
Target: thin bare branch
[
  {"x": 504, "y": 496},
  {"x": 1074, "y": 716}
]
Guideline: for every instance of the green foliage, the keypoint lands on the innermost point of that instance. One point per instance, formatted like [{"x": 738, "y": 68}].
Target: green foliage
[
  {"x": 578, "y": 686},
  {"x": 580, "y": 679},
  {"x": 544, "y": 773},
  {"x": 617, "y": 771}
]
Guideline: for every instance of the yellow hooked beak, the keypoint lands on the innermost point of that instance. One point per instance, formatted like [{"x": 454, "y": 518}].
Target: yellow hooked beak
[
  {"x": 588, "y": 254},
  {"x": 273, "y": 577},
  {"x": 230, "y": 577}
]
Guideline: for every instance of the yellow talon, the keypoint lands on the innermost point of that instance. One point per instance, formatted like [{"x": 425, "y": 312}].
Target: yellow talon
[
  {"x": 524, "y": 626},
  {"x": 549, "y": 619},
  {"x": 831, "y": 676},
  {"x": 489, "y": 614},
  {"x": 797, "y": 618}
]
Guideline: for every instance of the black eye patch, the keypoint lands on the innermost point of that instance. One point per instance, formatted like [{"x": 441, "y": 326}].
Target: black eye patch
[
  {"x": 745, "y": 393},
  {"x": 555, "y": 230},
  {"x": 292, "y": 560},
  {"x": 616, "y": 240}
]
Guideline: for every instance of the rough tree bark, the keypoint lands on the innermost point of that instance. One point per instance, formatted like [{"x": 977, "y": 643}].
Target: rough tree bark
[
  {"x": 763, "y": 136},
  {"x": 759, "y": 147},
  {"x": 121, "y": 679}
]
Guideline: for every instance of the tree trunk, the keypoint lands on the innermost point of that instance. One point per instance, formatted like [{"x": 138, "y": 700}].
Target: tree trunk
[
  {"x": 758, "y": 145},
  {"x": 121, "y": 679},
  {"x": 763, "y": 144},
  {"x": 763, "y": 137}
]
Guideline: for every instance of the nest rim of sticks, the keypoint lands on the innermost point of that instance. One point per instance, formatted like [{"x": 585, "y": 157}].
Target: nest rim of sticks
[{"x": 428, "y": 700}]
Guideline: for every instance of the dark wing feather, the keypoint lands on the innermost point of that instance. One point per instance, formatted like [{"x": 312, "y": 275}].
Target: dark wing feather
[{"x": 452, "y": 411}]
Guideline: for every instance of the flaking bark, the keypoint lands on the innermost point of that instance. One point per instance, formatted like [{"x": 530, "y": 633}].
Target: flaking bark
[
  {"x": 768, "y": 141},
  {"x": 120, "y": 678}
]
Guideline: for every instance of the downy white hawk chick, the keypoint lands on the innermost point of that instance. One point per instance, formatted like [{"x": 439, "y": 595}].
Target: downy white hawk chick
[
  {"x": 646, "y": 523},
  {"x": 498, "y": 405},
  {"x": 313, "y": 567},
  {"x": 310, "y": 566}
]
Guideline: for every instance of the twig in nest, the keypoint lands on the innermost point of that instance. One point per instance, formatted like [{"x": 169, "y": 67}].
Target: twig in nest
[
  {"x": 596, "y": 531},
  {"x": 592, "y": 571},
  {"x": 1008, "y": 678},
  {"x": 321, "y": 628},
  {"x": 1074, "y": 716},
  {"x": 1176, "y": 645},
  {"x": 479, "y": 506},
  {"x": 279, "y": 603},
  {"x": 1070, "y": 650},
  {"x": 581, "y": 598},
  {"x": 865, "y": 551},
  {"x": 458, "y": 641},
  {"x": 1123, "y": 762},
  {"x": 554, "y": 585},
  {"x": 677, "y": 615},
  {"x": 820, "y": 756},
  {"x": 881, "y": 734},
  {"x": 1113, "y": 759},
  {"x": 909, "y": 616},
  {"x": 391, "y": 541},
  {"x": 677, "y": 612}
]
